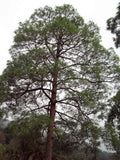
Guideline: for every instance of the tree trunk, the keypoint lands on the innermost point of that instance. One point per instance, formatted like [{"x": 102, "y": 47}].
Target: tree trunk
[
  {"x": 49, "y": 145},
  {"x": 50, "y": 136}
]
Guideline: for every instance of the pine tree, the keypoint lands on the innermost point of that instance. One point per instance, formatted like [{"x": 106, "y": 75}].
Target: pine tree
[{"x": 58, "y": 67}]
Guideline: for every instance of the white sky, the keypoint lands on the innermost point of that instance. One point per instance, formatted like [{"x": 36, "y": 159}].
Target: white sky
[{"x": 14, "y": 11}]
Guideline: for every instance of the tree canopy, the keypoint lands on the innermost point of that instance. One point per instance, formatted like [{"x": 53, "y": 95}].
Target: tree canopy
[{"x": 58, "y": 68}]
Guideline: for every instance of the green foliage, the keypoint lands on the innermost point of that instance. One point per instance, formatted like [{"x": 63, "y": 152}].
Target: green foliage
[
  {"x": 25, "y": 137},
  {"x": 29, "y": 125},
  {"x": 114, "y": 26}
]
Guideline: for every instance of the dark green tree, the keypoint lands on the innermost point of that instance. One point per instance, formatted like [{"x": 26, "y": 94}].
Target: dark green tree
[
  {"x": 113, "y": 124},
  {"x": 113, "y": 24},
  {"x": 58, "y": 67},
  {"x": 25, "y": 136},
  {"x": 114, "y": 113}
]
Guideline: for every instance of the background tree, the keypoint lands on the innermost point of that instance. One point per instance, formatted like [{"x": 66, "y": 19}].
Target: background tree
[
  {"x": 112, "y": 138},
  {"x": 114, "y": 114},
  {"x": 58, "y": 68},
  {"x": 25, "y": 137},
  {"x": 113, "y": 24}
]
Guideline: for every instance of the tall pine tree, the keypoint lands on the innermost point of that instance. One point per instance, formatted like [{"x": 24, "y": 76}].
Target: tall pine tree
[{"x": 58, "y": 67}]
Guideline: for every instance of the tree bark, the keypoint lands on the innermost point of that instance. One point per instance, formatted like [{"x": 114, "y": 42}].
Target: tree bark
[
  {"x": 49, "y": 145},
  {"x": 50, "y": 136}
]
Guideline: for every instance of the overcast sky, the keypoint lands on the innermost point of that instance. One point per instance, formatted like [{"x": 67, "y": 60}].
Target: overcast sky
[{"x": 14, "y": 11}]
